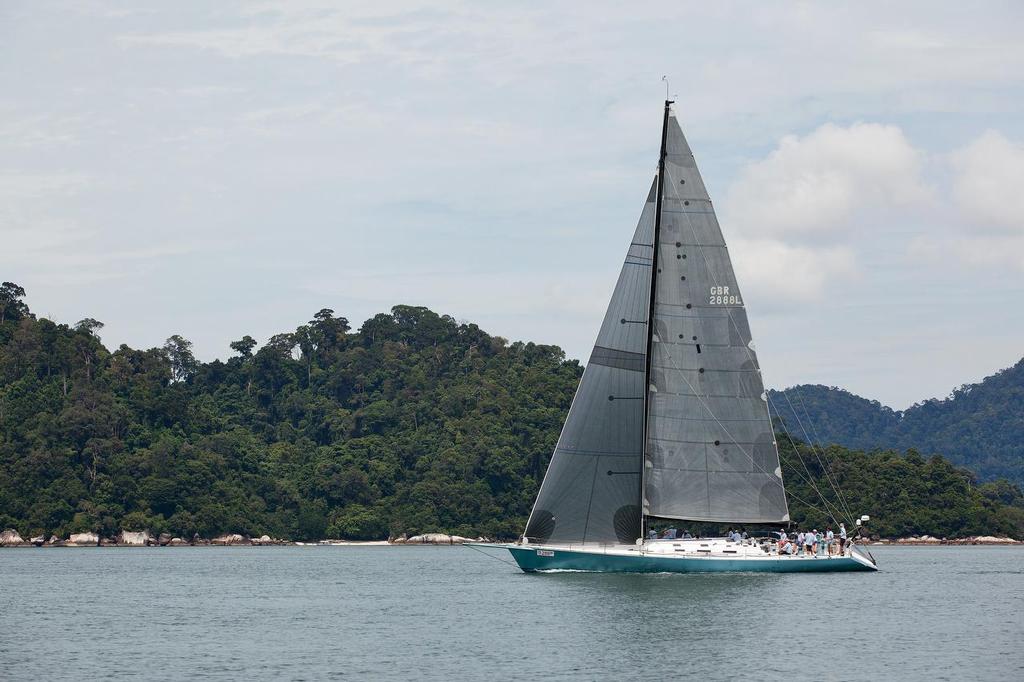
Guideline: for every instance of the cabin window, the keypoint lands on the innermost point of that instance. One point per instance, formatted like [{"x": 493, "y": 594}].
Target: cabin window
[
  {"x": 689, "y": 305},
  {"x": 686, "y": 203},
  {"x": 698, "y": 348},
  {"x": 701, "y": 370}
]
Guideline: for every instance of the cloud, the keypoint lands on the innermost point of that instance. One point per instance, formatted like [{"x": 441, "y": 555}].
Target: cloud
[
  {"x": 775, "y": 269},
  {"x": 988, "y": 183},
  {"x": 797, "y": 213},
  {"x": 986, "y": 224},
  {"x": 821, "y": 182}
]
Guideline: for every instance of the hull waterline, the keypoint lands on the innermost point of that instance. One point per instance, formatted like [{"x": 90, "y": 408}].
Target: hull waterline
[{"x": 533, "y": 559}]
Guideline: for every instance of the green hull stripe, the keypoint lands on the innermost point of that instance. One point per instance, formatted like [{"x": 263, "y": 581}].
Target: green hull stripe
[{"x": 570, "y": 560}]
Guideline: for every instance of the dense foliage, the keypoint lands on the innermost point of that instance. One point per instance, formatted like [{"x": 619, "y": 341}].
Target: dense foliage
[
  {"x": 412, "y": 423},
  {"x": 904, "y": 494},
  {"x": 979, "y": 426}
]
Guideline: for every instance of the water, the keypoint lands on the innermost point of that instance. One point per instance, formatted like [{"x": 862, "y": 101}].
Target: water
[{"x": 449, "y": 613}]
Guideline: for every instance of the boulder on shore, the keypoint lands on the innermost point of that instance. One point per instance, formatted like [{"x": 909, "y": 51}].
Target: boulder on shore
[
  {"x": 84, "y": 540},
  {"x": 265, "y": 540},
  {"x": 992, "y": 540},
  {"x": 38, "y": 540},
  {"x": 177, "y": 542},
  {"x": 11, "y": 538},
  {"x": 133, "y": 539},
  {"x": 430, "y": 539},
  {"x": 229, "y": 539},
  {"x": 433, "y": 539},
  {"x": 164, "y": 539}
]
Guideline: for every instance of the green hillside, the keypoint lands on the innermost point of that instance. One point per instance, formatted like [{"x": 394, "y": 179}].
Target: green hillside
[
  {"x": 979, "y": 426},
  {"x": 413, "y": 423}
]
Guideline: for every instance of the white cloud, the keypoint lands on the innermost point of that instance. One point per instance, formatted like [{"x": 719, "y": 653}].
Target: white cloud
[
  {"x": 986, "y": 224},
  {"x": 774, "y": 269},
  {"x": 989, "y": 182},
  {"x": 820, "y": 182},
  {"x": 798, "y": 212}
]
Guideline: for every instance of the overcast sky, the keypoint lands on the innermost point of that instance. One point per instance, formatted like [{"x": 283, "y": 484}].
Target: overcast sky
[{"x": 221, "y": 169}]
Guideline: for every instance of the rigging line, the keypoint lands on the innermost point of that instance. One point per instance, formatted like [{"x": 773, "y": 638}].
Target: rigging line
[
  {"x": 747, "y": 349},
  {"x": 814, "y": 450},
  {"x": 809, "y": 479},
  {"x": 771, "y": 475},
  {"x": 814, "y": 430},
  {"x": 491, "y": 556}
]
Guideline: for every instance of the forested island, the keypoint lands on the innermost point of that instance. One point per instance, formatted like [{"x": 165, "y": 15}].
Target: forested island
[
  {"x": 979, "y": 426},
  {"x": 412, "y": 423}
]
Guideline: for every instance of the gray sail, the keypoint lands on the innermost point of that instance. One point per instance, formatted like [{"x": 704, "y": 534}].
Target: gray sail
[
  {"x": 591, "y": 491},
  {"x": 711, "y": 453}
]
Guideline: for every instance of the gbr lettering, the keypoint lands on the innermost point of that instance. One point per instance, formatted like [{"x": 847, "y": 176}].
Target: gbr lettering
[{"x": 721, "y": 296}]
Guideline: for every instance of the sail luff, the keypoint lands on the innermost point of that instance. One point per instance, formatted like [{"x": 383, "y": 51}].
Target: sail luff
[{"x": 650, "y": 312}]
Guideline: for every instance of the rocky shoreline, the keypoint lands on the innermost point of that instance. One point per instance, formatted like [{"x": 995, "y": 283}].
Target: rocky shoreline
[
  {"x": 929, "y": 540},
  {"x": 11, "y": 538}
]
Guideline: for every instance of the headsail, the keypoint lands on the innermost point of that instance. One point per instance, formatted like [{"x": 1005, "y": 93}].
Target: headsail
[
  {"x": 591, "y": 492},
  {"x": 711, "y": 452}
]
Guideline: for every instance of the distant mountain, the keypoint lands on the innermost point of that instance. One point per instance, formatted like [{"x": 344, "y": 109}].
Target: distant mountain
[{"x": 979, "y": 426}]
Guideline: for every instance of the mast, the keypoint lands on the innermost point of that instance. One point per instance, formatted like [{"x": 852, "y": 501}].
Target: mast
[{"x": 650, "y": 311}]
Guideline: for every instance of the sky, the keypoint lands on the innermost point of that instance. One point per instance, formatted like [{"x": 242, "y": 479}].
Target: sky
[{"x": 222, "y": 169}]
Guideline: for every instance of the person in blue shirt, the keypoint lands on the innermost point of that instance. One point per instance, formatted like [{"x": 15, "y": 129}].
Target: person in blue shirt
[{"x": 670, "y": 534}]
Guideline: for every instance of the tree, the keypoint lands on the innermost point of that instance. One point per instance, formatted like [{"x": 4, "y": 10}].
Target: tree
[
  {"x": 244, "y": 346},
  {"x": 183, "y": 363},
  {"x": 11, "y": 306},
  {"x": 89, "y": 326},
  {"x": 330, "y": 329}
]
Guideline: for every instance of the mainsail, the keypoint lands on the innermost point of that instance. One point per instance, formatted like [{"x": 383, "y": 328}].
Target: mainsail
[
  {"x": 711, "y": 453},
  {"x": 708, "y": 452}
]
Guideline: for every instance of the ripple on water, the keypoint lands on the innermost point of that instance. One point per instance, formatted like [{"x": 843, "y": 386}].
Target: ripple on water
[{"x": 447, "y": 613}]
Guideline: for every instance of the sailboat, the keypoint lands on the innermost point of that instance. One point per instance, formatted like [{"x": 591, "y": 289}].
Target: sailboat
[{"x": 670, "y": 421}]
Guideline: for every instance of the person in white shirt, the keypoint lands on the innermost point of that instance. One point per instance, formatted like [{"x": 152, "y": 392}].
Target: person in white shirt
[
  {"x": 842, "y": 538},
  {"x": 830, "y": 539},
  {"x": 800, "y": 541}
]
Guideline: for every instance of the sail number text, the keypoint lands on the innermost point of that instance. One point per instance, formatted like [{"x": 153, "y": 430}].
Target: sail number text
[{"x": 721, "y": 296}]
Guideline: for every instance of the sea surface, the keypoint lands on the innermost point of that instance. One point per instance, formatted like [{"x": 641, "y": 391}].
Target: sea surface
[{"x": 451, "y": 613}]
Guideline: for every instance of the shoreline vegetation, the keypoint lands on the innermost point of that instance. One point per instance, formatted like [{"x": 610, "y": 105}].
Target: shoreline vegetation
[
  {"x": 413, "y": 424},
  {"x": 11, "y": 538}
]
